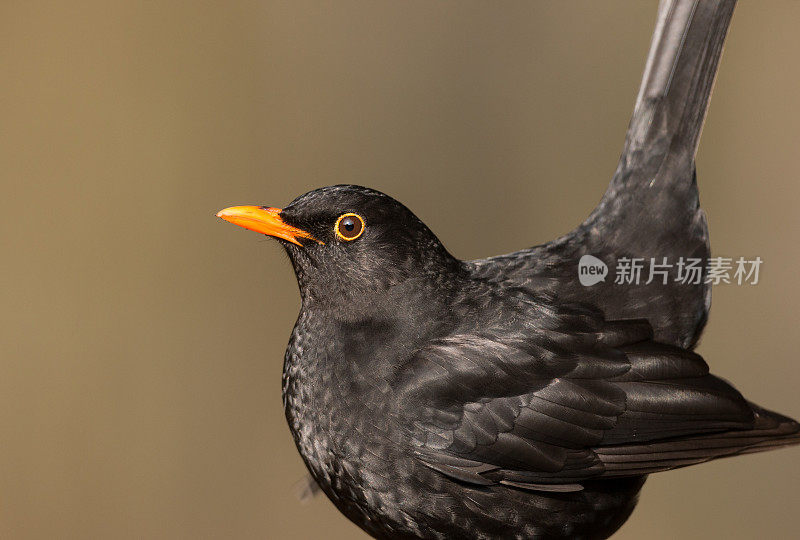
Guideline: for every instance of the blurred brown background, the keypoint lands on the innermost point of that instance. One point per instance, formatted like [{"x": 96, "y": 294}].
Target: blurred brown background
[{"x": 141, "y": 338}]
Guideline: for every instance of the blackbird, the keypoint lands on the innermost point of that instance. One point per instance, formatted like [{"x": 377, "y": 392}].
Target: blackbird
[{"x": 432, "y": 397}]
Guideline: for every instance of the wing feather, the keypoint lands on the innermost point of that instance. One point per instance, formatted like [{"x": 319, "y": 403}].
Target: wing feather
[{"x": 495, "y": 408}]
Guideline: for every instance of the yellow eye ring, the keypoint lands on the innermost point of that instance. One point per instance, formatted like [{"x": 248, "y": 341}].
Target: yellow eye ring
[{"x": 349, "y": 227}]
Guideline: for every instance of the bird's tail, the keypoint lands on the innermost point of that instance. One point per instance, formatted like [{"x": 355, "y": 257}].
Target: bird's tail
[
  {"x": 652, "y": 205},
  {"x": 676, "y": 87}
]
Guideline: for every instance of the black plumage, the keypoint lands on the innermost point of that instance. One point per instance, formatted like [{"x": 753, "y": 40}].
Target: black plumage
[{"x": 437, "y": 398}]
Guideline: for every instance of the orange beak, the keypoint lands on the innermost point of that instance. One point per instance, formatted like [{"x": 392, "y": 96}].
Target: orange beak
[{"x": 265, "y": 221}]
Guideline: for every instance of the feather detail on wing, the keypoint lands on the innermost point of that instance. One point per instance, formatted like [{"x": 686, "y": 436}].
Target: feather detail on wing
[{"x": 548, "y": 412}]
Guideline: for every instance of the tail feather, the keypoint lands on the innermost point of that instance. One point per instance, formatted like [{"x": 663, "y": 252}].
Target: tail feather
[
  {"x": 676, "y": 86},
  {"x": 651, "y": 208}
]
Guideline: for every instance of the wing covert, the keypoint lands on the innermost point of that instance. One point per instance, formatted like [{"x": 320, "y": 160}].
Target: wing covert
[{"x": 547, "y": 411}]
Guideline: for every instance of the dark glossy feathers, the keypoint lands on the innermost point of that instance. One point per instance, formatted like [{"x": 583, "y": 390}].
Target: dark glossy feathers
[{"x": 562, "y": 397}]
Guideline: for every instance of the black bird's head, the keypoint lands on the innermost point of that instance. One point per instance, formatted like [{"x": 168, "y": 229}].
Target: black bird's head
[{"x": 351, "y": 244}]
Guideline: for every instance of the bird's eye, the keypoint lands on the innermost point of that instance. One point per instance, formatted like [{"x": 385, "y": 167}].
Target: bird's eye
[{"x": 349, "y": 226}]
